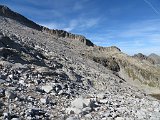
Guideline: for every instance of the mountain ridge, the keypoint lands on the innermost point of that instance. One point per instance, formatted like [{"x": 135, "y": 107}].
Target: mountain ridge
[
  {"x": 6, "y": 12},
  {"x": 46, "y": 76},
  {"x": 141, "y": 70}
]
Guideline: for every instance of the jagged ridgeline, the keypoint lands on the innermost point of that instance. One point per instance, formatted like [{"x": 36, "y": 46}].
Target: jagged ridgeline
[
  {"x": 139, "y": 68},
  {"x": 56, "y": 75},
  {"x": 6, "y": 12}
]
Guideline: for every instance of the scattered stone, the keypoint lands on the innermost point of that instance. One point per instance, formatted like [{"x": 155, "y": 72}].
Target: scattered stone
[
  {"x": 72, "y": 118},
  {"x": 47, "y": 88},
  {"x": 46, "y": 75},
  {"x": 2, "y": 92},
  {"x": 119, "y": 118},
  {"x": 2, "y": 81},
  {"x": 80, "y": 103},
  {"x": 10, "y": 94}
]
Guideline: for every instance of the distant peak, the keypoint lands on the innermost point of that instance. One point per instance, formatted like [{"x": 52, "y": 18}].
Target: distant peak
[
  {"x": 153, "y": 54},
  {"x": 5, "y": 10},
  {"x": 8, "y": 13},
  {"x": 3, "y": 6},
  {"x": 140, "y": 56}
]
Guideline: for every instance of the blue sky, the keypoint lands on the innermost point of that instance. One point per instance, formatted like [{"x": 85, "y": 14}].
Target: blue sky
[{"x": 131, "y": 25}]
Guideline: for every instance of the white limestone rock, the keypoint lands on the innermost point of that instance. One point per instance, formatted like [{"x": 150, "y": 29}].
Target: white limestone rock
[
  {"x": 47, "y": 88},
  {"x": 80, "y": 103}
]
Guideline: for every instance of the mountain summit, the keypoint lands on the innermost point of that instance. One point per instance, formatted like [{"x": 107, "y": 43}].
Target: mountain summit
[
  {"x": 155, "y": 57},
  {"x": 52, "y": 74},
  {"x": 6, "y": 12}
]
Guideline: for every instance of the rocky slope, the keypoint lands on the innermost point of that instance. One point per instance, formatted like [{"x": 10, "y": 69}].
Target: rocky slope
[
  {"x": 139, "y": 70},
  {"x": 46, "y": 76},
  {"x": 6, "y": 12},
  {"x": 155, "y": 58}
]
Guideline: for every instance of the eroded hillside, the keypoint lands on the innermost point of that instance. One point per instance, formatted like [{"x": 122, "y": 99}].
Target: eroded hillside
[{"x": 49, "y": 75}]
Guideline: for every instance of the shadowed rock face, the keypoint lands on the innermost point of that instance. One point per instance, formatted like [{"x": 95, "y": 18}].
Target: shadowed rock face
[
  {"x": 106, "y": 61},
  {"x": 110, "y": 63}
]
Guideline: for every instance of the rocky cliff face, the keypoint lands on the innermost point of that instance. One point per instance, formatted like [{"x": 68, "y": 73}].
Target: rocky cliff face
[
  {"x": 107, "y": 49},
  {"x": 65, "y": 34}
]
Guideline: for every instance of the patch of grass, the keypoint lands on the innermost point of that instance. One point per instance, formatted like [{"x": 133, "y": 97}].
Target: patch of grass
[
  {"x": 131, "y": 74},
  {"x": 152, "y": 84}
]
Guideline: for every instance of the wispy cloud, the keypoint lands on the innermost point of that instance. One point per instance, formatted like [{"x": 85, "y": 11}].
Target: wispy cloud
[
  {"x": 152, "y": 7},
  {"x": 72, "y": 25},
  {"x": 75, "y": 24},
  {"x": 52, "y": 25},
  {"x": 82, "y": 24},
  {"x": 142, "y": 36},
  {"x": 145, "y": 29},
  {"x": 79, "y": 5}
]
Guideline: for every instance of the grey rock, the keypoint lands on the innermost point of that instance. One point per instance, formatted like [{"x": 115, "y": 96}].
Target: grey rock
[
  {"x": 10, "y": 95},
  {"x": 80, "y": 103},
  {"x": 72, "y": 118},
  {"x": 2, "y": 81},
  {"x": 2, "y": 92},
  {"x": 15, "y": 119},
  {"x": 47, "y": 88}
]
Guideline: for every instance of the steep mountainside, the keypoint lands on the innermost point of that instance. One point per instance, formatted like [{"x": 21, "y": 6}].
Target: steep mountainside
[
  {"x": 134, "y": 70},
  {"x": 55, "y": 75},
  {"x": 6, "y": 12},
  {"x": 139, "y": 70}
]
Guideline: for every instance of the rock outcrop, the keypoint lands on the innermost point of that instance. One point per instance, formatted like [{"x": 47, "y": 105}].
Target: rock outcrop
[
  {"x": 65, "y": 34},
  {"x": 108, "y": 49}
]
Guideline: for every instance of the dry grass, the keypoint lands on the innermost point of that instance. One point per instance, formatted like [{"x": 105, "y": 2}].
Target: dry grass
[{"x": 157, "y": 96}]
